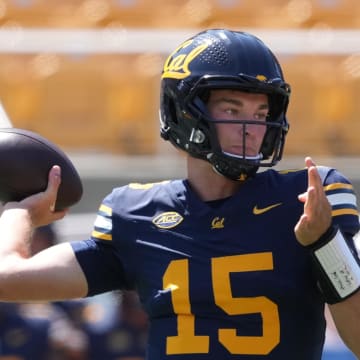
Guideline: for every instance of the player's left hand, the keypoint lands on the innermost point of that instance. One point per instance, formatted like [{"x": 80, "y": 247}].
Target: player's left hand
[{"x": 316, "y": 218}]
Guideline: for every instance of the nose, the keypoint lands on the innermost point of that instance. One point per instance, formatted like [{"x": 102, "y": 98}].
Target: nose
[{"x": 248, "y": 129}]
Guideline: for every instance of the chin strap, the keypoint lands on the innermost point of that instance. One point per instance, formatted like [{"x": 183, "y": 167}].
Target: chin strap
[
  {"x": 336, "y": 266},
  {"x": 231, "y": 168}
]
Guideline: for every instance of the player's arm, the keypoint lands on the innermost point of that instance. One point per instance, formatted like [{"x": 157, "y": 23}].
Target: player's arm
[
  {"x": 346, "y": 315},
  {"x": 334, "y": 261},
  {"x": 49, "y": 275}
]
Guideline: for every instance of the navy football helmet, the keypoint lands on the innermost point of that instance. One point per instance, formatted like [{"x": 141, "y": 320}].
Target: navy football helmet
[{"x": 222, "y": 59}]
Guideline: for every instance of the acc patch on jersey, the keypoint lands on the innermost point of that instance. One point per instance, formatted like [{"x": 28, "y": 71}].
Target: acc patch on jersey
[{"x": 168, "y": 220}]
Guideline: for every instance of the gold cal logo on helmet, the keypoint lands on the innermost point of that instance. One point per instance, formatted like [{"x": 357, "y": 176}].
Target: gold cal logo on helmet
[
  {"x": 261, "y": 77},
  {"x": 177, "y": 67}
]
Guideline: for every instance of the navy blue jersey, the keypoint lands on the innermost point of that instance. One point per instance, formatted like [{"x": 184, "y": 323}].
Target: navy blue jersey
[{"x": 221, "y": 280}]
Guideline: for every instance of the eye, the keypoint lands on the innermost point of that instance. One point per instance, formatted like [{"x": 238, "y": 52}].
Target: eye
[
  {"x": 231, "y": 111},
  {"x": 261, "y": 116}
]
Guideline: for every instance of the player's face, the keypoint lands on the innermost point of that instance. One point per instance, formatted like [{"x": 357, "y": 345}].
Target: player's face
[{"x": 233, "y": 105}]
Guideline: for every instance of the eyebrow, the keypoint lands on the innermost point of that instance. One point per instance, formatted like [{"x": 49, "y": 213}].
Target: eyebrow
[{"x": 238, "y": 102}]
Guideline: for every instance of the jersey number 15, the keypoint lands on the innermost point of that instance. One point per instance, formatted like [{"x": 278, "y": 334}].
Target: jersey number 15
[{"x": 176, "y": 278}]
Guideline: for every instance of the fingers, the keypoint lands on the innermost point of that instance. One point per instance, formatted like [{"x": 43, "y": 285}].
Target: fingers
[
  {"x": 315, "y": 192},
  {"x": 317, "y": 210},
  {"x": 45, "y": 211},
  {"x": 313, "y": 179},
  {"x": 53, "y": 185},
  {"x": 55, "y": 176},
  {"x": 309, "y": 162},
  {"x": 313, "y": 174},
  {"x": 52, "y": 189}
]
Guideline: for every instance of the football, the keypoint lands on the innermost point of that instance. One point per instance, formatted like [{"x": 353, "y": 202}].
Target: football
[{"x": 25, "y": 161}]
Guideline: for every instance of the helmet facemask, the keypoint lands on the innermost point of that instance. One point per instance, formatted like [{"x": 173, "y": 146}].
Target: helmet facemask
[{"x": 241, "y": 165}]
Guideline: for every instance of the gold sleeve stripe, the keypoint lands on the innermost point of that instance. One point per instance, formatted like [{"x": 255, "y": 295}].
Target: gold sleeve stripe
[
  {"x": 335, "y": 186},
  {"x": 345, "y": 212},
  {"x": 101, "y": 236},
  {"x": 106, "y": 209}
]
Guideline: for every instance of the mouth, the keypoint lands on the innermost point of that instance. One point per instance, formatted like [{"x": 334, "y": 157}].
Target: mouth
[
  {"x": 256, "y": 157},
  {"x": 240, "y": 151}
]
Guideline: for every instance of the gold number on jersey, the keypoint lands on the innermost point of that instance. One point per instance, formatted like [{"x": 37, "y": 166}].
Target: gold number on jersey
[
  {"x": 176, "y": 279},
  {"x": 186, "y": 342}
]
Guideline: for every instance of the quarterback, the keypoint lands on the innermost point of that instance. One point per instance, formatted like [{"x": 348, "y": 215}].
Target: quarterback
[{"x": 237, "y": 260}]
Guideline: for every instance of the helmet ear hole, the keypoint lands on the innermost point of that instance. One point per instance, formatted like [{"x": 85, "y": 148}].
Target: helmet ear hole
[{"x": 167, "y": 117}]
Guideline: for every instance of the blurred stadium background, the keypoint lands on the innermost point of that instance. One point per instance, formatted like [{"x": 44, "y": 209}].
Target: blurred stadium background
[{"x": 85, "y": 74}]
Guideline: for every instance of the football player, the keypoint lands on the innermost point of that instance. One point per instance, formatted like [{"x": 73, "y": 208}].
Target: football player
[{"x": 231, "y": 262}]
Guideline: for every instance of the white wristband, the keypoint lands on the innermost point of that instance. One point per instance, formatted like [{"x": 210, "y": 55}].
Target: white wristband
[{"x": 339, "y": 264}]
